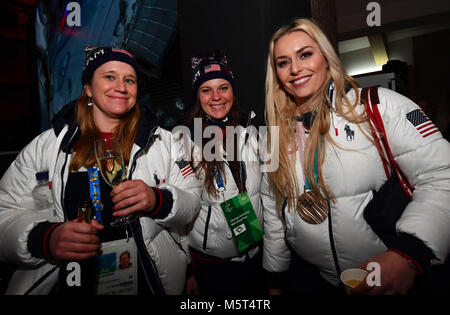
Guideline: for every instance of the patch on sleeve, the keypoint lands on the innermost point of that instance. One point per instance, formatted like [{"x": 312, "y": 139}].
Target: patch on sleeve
[
  {"x": 422, "y": 123},
  {"x": 185, "y": 168}
]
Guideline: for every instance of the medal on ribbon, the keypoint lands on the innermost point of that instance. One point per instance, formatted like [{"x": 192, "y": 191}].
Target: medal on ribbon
[{"x": 311, "y": 206}]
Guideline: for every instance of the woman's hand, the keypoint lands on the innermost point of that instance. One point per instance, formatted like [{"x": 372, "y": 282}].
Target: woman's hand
[
  {"x": 397, "y": 276},
  {"x": 75, "y": 241},
  {"x": 132, "y": 196}
]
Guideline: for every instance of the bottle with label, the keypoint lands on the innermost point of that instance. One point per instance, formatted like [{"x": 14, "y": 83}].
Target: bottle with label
[{"x": 42, "y": 193}]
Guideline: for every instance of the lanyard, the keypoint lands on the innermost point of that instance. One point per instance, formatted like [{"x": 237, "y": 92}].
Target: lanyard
[
  {"x": 315, "y": 172},
  {"x": 94, "y": 191},
  {"x": 301, "y": 148},
  {"x": 219, "y": 181}
]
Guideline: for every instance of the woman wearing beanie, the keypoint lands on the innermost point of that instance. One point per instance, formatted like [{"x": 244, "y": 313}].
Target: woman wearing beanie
[
  {"x": 49, "y": 243},
  {"x": 221, "y": 264}
]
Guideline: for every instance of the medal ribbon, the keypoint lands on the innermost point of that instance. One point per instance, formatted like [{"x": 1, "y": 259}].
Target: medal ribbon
[
  {"x": 94, "y": 190},
  {"x": 315, "y": 172},
  {"x": 219, "y": 179},
  {"x": 301, "y": 139}
]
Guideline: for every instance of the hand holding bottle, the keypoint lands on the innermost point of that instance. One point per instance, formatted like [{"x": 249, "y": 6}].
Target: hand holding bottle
[{"x": 73, "y": 240}]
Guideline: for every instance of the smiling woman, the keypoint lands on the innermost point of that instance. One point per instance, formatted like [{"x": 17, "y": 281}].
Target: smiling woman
[
  {"x": 301, "y": 67},
  {"x": 315, "y": 203},
  {"x": 216, "y": 97},
  {"x": 151, "y": 185},
  {"x": 113, "y": 93},
  {"x": 108, "y": 103},
  {"x": 219, "y": 265}
]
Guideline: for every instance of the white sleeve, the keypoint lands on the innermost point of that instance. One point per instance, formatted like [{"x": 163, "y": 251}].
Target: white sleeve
[
  {"x": 184, "y": 186},
  {"x": 424, "y": 157},
  {"x": 276, "y": 255},
  {"x": 18, "y": 213}
]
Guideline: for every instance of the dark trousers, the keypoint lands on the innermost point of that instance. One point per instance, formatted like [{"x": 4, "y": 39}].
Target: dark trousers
[
  {"x": 305, "y": 279},
  {"x": 225, "y": 277}
]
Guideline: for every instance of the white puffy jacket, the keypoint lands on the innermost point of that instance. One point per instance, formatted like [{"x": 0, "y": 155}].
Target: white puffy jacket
[
  {"x": 352, "y": 176},
  {"x": 158, "y": 240},
  {"x": 210, "y": 233}
]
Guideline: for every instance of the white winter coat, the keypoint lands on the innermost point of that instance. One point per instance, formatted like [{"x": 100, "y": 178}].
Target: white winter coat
[
  {"x": 164, "y": 257},
  {"x": 352, "y": 176},
  {"x": 210, "y": 233}
]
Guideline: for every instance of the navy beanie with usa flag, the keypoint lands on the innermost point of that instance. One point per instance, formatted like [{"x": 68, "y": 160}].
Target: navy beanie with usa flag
[
  {"x": 97, "y": 56},
  {"x": 209, "y": 66}
]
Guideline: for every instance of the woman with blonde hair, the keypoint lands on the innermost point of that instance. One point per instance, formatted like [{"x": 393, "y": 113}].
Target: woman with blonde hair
[{"x": 330, "y": 167}]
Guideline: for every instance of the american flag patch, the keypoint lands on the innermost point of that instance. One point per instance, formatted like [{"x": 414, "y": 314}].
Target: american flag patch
[
  {"x": 212, "y": 67},
  {"x": 422, "y": 123},
  {"x": 185, "y": 168}
]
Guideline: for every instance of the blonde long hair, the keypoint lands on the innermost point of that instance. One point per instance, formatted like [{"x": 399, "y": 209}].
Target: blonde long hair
[
  {"x": 125, "y": 132},
  {"x": 280, "y": 111}
]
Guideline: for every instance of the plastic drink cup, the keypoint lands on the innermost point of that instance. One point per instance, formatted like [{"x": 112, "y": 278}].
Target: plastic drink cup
[{"x": 352, "y": 278}]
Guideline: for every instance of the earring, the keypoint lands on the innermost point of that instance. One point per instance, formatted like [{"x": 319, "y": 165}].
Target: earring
[{"x": 89, "y": 102}]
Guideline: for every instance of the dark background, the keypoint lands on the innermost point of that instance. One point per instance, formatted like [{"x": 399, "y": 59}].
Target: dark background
[{"x": 242, "y": 29}]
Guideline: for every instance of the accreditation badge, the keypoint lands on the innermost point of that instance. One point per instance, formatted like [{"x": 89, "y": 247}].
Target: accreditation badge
[
  {"x": 242, "y": 220},
  {"x": 117, "y": 266}
]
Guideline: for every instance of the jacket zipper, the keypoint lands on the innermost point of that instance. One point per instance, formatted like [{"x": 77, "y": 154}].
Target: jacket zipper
[
  {"x": 63, "y": 171},
  {"x": 333, "y": 246},
  {"x": 62, "y": 187},
  {"x": 205, "y": 237},
  {"x": 148, "y": 266},
  {"x": 283, "y": 207},
  {"x": 330, "y": 92}
]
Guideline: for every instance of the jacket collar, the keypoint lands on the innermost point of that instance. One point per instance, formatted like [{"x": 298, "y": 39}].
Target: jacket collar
[
  {"x": 147, "y": 124},
  {"x": 67, "y": 117},
  {"x": 308, "y": 118}
]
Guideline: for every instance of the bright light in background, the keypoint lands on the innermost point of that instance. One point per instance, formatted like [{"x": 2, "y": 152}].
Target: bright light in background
[
  {"x": 346, "y": 46},
  {"x": 357, "y": 56},
  {"x": 364, "y": 69},
  {"x": 377, "y": 44}
]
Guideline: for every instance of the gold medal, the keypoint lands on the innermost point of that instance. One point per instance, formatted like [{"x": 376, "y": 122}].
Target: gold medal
[{"x": 312, "y": 208}]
